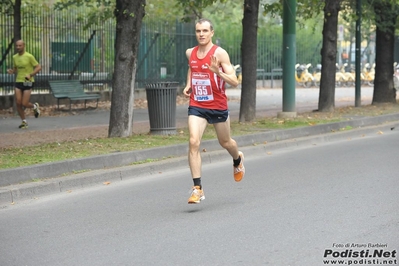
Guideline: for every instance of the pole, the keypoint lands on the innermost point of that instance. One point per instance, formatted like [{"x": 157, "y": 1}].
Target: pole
[
  {"x": 289, "y": 58},
  {"x": 357, "y": 56}
]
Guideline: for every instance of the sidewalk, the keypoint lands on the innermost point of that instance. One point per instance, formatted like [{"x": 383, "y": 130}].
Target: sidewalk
[
  {"x": 268, "y": 103},
  {"x": 16, "y": 185},
  {"x": 93, "y": 123}
]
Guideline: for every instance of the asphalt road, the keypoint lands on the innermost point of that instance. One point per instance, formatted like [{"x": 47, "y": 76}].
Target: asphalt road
[{"x": 294, "y": 206}]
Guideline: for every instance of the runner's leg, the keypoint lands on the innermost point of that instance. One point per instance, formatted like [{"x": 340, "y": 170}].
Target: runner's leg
[
  {"x": 18, "y": 101},
  {"x": 26, "y": 98},
  {"x": 196, "y": 126},
  {"x": 223, "y": 133}
]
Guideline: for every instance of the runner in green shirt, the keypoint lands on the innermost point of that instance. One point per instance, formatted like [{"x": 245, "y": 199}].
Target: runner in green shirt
[{"x": 25, "y": 68}]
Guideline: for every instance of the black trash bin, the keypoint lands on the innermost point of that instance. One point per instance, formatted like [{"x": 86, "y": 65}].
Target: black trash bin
[{"x": 161, "y": 99}]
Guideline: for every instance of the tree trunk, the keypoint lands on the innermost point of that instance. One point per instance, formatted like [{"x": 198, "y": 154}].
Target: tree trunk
[
  {"x": 384, "y": 91},
  {"x": 329, "y": 56},
  {"x": 129, "y": 15},
  {"x": 249, "y": 60},
  {"x": 17, "y": 21}
]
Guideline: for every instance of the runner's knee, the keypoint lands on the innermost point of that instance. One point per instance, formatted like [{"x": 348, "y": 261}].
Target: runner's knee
[
  {"x": 194, "y": 144},
  {"x": 226, "y": 143}
]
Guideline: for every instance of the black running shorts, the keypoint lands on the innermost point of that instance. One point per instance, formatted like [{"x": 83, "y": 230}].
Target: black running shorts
[
  {"x": 23, "y": 86},
  {"x": 212, "y": 116}
]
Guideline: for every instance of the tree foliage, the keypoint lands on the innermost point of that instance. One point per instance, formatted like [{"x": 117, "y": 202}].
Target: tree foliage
[
  {"x": 193, "y": 9},
  {"x": 306, "y": 9},
  {"x": 7, "y": 7},
  {"x": 94, "y": 10}
]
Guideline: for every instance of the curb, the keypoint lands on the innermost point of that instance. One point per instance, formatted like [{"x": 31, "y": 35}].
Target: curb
[{"x": 118, "y": 166}]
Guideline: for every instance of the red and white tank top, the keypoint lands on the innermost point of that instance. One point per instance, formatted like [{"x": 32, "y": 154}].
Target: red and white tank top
[{"x": 207, "y": 88}]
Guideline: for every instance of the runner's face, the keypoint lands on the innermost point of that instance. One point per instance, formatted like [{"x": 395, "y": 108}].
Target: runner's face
[
  {"x": 19, "y": 46},
  {"x": 204, "y": 33}
]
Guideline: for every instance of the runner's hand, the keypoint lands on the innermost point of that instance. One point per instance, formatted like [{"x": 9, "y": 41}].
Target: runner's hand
[
  {"x": 215, "y": 64},
  {"x": 187, "y": 91}
]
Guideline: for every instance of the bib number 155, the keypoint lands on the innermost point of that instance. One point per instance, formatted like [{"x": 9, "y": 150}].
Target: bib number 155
[{"x": 201, "y": 90}]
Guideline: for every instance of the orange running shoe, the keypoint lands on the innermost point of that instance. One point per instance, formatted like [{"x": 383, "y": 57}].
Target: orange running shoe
[
  {"x": 197, "y": 195},
  {"x": 239, "y": 171}
]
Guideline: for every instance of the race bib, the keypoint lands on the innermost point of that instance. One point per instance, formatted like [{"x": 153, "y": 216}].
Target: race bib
[{"x": 201, "y": 87}]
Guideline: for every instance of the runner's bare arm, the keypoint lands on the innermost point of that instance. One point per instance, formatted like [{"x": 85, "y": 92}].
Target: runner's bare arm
[
  {"x": 12, "y": 70},
  {"x": 187, "y": 89},
  {"x": 36, "y": 70}
]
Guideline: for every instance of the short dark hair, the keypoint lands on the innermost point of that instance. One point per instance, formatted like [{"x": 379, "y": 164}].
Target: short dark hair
[{"x": 202, "y": 20}]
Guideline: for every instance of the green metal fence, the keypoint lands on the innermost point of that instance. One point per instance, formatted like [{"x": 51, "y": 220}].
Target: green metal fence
[{"x": 66, "y": 50}]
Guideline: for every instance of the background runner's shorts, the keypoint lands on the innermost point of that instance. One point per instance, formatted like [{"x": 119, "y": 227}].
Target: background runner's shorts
[
  {"x": 24, "y": 85},
  {"x": 212, "y": 116}
]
